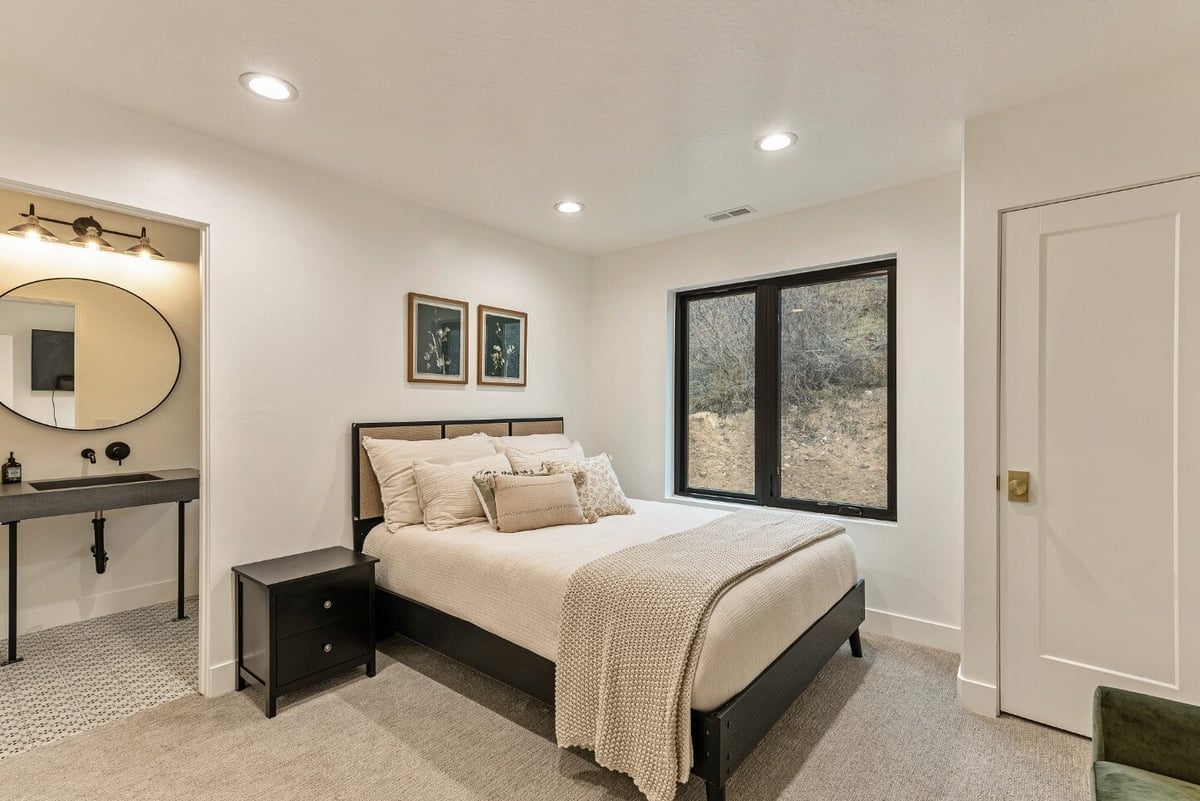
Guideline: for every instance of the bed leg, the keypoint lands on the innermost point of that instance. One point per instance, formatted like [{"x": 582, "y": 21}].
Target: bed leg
[
  {"x": 856, "y": 644},
  {"x": 715, "y": 792}
]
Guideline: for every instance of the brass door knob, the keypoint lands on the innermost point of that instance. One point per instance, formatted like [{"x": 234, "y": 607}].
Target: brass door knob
[{"x": 1018, "y": 486}]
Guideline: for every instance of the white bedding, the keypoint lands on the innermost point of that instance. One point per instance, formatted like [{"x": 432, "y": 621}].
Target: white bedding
[{"x": 513, "y": 585}]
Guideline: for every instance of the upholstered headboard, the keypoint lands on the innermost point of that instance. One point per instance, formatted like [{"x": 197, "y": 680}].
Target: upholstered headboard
[{"x": 365, "y": 504}]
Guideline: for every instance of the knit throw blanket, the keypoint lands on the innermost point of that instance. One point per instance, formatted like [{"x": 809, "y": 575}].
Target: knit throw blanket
[{"x": 633, "y": 624}]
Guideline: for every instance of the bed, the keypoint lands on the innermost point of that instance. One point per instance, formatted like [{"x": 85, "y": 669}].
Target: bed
[{"x": 492, "y": 601}]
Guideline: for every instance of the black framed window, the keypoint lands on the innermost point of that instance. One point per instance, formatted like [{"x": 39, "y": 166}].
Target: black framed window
[{"x": 786, "y": 391}]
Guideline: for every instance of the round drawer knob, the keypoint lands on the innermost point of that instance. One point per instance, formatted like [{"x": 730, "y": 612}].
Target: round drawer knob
[
  {"x": 328, "y": 604},
  {"x": 328, "y": 647}
]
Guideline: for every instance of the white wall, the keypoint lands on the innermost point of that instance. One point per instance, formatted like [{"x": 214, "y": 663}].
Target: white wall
[
  {"x": 1125, "y": 131},
  {"x": 57, "y": 581},
  {"x": 912, "y": 567},
  {"x": 305, "y": 296}
]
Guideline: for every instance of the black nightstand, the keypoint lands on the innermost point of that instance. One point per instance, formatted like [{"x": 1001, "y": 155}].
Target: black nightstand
[{"x": 303, "y": 618}]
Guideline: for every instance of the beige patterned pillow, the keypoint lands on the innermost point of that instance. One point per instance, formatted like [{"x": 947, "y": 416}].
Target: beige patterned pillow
[
  {"x": 602, "y": 494},
  {"x": 447, "y": 493},
  {"x": 485, "y": 488},
  {"x": 524, "y": 503},
  {"x": 533, "y": 460}
]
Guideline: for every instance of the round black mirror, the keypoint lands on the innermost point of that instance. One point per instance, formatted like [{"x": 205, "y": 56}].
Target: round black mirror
[{"x": 83, "y": 355}]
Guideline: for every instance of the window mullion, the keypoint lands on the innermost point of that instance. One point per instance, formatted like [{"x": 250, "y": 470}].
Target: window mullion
[{"x": 766, "y": 394}]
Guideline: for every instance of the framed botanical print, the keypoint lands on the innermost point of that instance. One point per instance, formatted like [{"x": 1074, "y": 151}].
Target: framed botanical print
[
  {"x": 437, "y": 339},
  {"x": 502, "y": 345}
]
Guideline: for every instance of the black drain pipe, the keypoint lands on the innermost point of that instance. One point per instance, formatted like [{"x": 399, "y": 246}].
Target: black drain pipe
[{"x": 98, "y": 548}]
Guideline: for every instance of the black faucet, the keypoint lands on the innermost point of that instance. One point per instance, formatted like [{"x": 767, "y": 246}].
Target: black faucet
[{"x": 89, "y": 454}]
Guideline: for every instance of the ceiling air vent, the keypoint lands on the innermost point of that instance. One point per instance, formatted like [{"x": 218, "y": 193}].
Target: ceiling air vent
[{"x": 729, "y": 214}]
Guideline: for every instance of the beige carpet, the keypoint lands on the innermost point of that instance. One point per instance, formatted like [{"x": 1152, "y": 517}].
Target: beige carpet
[{"x": 883, "y": 727}]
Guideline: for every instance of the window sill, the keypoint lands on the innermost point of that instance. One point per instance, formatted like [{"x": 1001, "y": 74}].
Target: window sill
[{"x": 730, "y": 506}]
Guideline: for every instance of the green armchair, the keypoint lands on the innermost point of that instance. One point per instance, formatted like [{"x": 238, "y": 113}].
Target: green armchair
[{"x": 1144, "y": 748}]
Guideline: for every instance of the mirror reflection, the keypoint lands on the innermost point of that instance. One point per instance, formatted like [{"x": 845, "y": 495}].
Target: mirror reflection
[{"x": 82, "y": 355}]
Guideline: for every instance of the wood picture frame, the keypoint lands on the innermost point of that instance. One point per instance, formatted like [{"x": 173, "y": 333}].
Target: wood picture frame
[
  {"x": 503, "y": 347},
  {"x": 438, "y": 337}
]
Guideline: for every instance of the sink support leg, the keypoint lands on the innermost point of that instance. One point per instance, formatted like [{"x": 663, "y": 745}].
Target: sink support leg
[
  {"x": 12, "y": 595},
  {"x": 179, "y": 615},
  {"x": 98, "y": 548}
]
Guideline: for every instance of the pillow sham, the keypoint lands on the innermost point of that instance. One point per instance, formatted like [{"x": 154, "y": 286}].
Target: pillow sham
[
  {"x": 531, "y": 442},
  {"x": 392, "y": 461},
  {"x": 601, "y": 495},
  {"x": 524, "y": 503},
  {"x": 447, "y": 493},
  {"x": 532, "y": 460}
]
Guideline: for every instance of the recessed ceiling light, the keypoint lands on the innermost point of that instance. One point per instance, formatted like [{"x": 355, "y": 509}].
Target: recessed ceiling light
[
  {"x": 776, "y": 141},
  {"x": 569, "y": 207},
  {"x": 268, "y": 86}
]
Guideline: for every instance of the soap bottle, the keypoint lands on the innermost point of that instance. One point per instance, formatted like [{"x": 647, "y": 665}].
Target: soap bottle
[{"x": 11, "y": 470}]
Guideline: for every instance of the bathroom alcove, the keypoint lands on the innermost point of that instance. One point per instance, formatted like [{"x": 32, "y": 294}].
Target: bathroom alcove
[{"x": 60, "y": 591}]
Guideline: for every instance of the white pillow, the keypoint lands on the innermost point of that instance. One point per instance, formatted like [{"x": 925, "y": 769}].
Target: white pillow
[
  {"x": 392, "y": 460},
  {"x": 447, "y": 491},
  {"x": 531, "y": 442},
  {"x": 527, "y": 461}
]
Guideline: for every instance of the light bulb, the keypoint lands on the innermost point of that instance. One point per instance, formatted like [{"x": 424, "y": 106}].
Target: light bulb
[
  {"x": 776, "y": 141},
  {"x": 268, "y": 86}
]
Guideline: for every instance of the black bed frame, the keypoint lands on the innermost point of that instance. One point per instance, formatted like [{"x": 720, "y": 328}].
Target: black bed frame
[{"x": 721, "y": 738}]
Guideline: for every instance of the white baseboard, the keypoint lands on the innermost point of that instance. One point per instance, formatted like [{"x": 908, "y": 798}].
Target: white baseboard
[
  {"x": 221, "y": 678},
  {"x": 914, "y": 629},
  {"x": 977, "y": 696},
  {"x": 105, "y": 603}
]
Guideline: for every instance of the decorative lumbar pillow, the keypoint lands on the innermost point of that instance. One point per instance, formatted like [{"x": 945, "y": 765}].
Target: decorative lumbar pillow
[
  {"x": 524, "y": 503},
  {"x": 602, "y": 493},
  {"x": 531, "y": 442},
  {"x": 392, "y": 460},
  {"x": 527, "y": 460},
  {"x": 447, "y": 493},
  {"x": 485, "y": 489}
]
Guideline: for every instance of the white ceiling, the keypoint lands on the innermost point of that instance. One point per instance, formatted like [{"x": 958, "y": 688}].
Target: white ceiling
[{"x": 644, "y": 110}]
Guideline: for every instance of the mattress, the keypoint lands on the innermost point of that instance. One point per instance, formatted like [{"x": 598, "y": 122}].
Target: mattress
[{"x": 512, "y": 585}]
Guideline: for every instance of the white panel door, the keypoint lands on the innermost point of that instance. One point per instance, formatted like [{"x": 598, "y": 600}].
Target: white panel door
[{"x": 1100, "y": 567}]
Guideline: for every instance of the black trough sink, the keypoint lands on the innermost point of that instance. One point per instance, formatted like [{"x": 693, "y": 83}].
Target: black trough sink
[{"x": 93, "y": 481}]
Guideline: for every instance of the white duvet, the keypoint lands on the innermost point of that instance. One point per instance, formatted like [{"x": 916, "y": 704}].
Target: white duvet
[{"x": 513, "y": 584}]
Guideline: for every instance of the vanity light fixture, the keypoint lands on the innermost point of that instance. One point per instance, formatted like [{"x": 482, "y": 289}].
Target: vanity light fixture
[
  {"x": 33, "y": 229},
  {"x": 780, "y": 140},
  {"x": 90, "y": 238},
  {"x": 568, "y": 207},
  {"x": 143, "y": 248},
  {"x": 268, "y": 87},
  {"x": 89, "y": 233}
]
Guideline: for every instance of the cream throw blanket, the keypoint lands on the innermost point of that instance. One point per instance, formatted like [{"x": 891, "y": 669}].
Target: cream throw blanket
[{"x": 633, "y": 624}]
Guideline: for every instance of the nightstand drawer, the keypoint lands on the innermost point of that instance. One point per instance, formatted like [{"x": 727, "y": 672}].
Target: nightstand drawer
[
  {"x": 314, "y": 605},
  {"x": 312, "y": 651}
]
